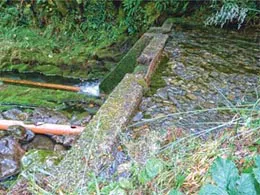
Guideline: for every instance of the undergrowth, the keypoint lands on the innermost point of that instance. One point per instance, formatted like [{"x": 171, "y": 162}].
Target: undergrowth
[{"x": 218, "y": 160}]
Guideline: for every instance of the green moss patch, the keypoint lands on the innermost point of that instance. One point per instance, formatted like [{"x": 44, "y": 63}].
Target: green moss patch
[
  {"x": 21, "y": 95},
  {"x": 126, "y": 65},
  {"x": 157, "y": 80}
]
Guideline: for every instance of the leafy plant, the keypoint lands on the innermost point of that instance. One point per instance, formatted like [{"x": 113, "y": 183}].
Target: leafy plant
[
  {"x": 228, "y": 181},
  {"x": 231, "y": 11},
  {"x": 134, "y": 15},
  {"x": 152, "y": 168}
]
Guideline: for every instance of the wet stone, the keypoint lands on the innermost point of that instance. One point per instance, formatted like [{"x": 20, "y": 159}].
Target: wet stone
[
  {"x": 45, "y": 115},
  {"x": 10, "y": 155},
  {"x": 203, "y": 73},
  {"x": 138, "y": 117},
  {"x": 40, "y": 142},
  {"x": 162, "y": 93},
  {"x": 14, "y": 114},
  {"x": 66, "y": 140},
  {"x": 20, "y": 133}
]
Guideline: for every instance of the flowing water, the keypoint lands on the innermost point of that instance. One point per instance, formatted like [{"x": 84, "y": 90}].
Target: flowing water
[
  {"x": 37, "y": 106},
  {"x": 209, "y": 74}
]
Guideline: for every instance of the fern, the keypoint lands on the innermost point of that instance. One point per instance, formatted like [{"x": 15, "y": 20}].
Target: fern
[{"x": 231, "y": 11}]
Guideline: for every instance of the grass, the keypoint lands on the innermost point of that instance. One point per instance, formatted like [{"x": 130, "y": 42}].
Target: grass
[
  {"x": 178, "y": 162},
  {"x": 187, "y": 157}
]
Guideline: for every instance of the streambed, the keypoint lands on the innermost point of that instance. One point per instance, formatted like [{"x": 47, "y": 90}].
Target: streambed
[{"x": 206, "y": 76}]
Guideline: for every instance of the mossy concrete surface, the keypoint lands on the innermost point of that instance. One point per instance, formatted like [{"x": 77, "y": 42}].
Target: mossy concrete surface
[
  {"x": 153, "y": 49},
  {"x": 126, "y": 65},
  {"x": 92, "y": 153},
  {"x": 92, "y": 156},
  {"x": 165, "y": 28}
]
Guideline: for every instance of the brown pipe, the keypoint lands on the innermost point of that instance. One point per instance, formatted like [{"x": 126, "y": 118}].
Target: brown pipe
[
  {"x": 44, "y": 128},
  {"x": 39, "y": 84}
]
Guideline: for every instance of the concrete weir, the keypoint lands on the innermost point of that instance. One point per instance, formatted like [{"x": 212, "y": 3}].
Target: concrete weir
[{"x": 92, "y": 155}]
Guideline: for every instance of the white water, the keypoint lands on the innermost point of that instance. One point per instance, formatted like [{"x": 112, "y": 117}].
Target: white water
[{"x": 90, "y": 88}]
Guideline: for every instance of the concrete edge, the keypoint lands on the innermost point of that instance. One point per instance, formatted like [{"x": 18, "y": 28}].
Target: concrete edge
[{"x": 92, "y": 154}]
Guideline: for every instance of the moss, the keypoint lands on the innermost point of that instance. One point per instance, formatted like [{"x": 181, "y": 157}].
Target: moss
[
  {"x": 126, "y": 65},
  {"x": 157, "y": 80},
  {"x": 40, "y": 97},
  {"x": 26, "y": 50},
  {"x": 48, "y": 69}
]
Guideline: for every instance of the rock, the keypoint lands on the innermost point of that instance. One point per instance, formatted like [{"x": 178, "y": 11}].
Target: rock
[
  {"x": 10, "y": 156},
  {"x": 191, "y": 96},
  {"x": 20, "y": 133},
  {"x": 15, "y": 114},
  {"x": 162, "y": 93},
  {"x": 138, "y": 117},
  {"x": 41, "y": 142},
  {"x": 66, "y": 140},
  {"x": 80, "y": 120},
  {"x": 59, "y": 148},
  {"x": 48, "y": 116}
]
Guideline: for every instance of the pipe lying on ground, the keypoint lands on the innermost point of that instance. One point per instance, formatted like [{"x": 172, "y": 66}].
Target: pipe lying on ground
[
  {"x": 44, "y": 128},
  {"x": 44, "y": 85}
]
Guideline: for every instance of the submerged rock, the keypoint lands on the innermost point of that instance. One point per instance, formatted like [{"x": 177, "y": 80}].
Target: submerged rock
[
  {"x": 138, "y": 117},
  {"x": 10, "y": 156},
  {"x": 40, "y": 142},
  {"x": 14, "y": 114}
]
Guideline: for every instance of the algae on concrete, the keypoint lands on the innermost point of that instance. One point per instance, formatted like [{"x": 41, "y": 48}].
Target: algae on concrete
[
  {"x": 39, "y": 97},
  {"x": 92, "y": 154},
  {"x": 126, "y": 65}
]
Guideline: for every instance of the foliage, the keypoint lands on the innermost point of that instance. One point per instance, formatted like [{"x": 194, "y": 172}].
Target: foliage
[
  {"x": 172, "y": 5},
  {"x": 228, "y": 181},
  {"x": 134, "y": 15},
  {"x": 232, "y": 11}
]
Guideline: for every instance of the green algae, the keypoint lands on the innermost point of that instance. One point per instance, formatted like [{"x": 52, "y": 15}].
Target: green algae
[
  {"x": 54, "y": 99},
  {"x": 126, "y": 65},
  {"x": 97, "y": 140},
  {"x": 157, "y": 80}
]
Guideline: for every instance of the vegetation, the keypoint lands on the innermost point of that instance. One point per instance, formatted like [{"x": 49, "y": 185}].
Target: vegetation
[
  {"x": 65, "y": 37},
  {"x": 186, "y": 161},
  {"x": 225, "y": 175},
  {"x": 91, "y": 39}
]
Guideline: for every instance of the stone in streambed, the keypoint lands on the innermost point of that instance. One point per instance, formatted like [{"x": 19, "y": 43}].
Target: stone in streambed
[
  {"x": 14, "y": 114},
  {"x": 66, "y": 140},
  {"x": 138, "y": 117},
  {"x": 48, "y": 116},
  {"x": 10, "y": 156},
  {"x": 191, "y": 96},
  {"x": 40, "y": 142},
  {"x": 20, "y": 133}
]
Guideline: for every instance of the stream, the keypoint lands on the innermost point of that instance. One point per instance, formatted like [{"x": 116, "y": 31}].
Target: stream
[
  {"x": 205, "y": 76},
  {"x": 203, "y": 69},
  {"x": 38, "y": 106}
]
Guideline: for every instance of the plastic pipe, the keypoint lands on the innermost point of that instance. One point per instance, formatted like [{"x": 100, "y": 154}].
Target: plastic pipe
[{"x": 44, "y": 128}]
